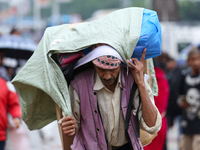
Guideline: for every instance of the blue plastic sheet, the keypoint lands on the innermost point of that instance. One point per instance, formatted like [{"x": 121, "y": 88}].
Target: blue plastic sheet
[{"x": 150, "y": 36}]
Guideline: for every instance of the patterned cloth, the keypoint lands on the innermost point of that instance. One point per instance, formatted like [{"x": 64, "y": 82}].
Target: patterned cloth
[{"x": 107, "y": 62}]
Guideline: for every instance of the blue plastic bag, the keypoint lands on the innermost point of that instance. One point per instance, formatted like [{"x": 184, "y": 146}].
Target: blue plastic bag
[{"x": 150, "y": 36}]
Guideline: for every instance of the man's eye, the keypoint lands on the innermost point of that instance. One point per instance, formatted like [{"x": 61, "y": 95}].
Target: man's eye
[
  {"x": 100, "y": 69},
  {"x": 113, "y": 69}
]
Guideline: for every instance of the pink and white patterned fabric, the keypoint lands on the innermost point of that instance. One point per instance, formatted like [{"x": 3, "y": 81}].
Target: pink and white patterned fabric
[
  {"x": 99, "y": 50},
  {"x": 107, "y": 62}
]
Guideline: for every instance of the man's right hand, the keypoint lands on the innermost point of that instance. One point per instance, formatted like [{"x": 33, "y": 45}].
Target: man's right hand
[
  {"x": 184, "y": 104},
  {"x": 69, "y": 125}
]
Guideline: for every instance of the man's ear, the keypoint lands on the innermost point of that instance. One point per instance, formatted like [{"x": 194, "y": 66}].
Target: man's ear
[
  {"x": 188, "y": 61},
  {"x": 94, "y": 66}
]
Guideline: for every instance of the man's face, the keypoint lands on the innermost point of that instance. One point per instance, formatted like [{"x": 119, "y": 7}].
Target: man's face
[
  {"x": 108, "y": 76},
  {"x": 194, "y": 61}
]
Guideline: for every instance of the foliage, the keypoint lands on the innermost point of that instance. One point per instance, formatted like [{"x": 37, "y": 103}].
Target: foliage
[
  {"x": 142, "y": 3},
  {"x": 189, "y": 11},
  {"x": 86, "y": 8},
  {"x": 45, "y": 12}
]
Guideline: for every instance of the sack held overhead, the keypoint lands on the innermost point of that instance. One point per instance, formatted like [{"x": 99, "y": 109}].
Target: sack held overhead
[{"x": 41, "y": 83}]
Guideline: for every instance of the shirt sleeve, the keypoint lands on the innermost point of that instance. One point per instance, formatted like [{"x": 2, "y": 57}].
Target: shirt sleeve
[
  {"x": 75, "y": 105},
  {"x": 13, "y": 101},
  {"x": 154, "y": 129}
]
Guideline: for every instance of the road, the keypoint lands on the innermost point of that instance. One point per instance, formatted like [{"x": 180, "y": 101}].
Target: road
[
  {"x": 173, "y": 136},
  {"x": 48, "y": 138}
]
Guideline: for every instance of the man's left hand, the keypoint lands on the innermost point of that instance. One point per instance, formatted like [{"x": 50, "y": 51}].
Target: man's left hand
[{"x": 137, "y": 68}]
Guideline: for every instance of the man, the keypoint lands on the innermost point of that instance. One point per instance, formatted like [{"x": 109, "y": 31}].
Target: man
[
  {"x": 9, "y": 102},
  {"x": 189, "y": 101},
  {"x": 99, "y": 99}
]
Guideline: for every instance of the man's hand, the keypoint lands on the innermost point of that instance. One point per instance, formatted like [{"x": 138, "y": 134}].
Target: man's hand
[
  {"x": 149, "y": 111},
  {"x": 184, "y": 104},
  {"x": 68, "y": 125},
  {"x": 17, "y": 122},
  {"x": 137, "y": 68}
]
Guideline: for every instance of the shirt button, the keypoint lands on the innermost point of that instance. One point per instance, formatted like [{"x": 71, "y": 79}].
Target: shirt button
[
  {"x": 98, "y": 130},
  {"x": 95, "y": 93},
  {"x": 95, "y": 111}
]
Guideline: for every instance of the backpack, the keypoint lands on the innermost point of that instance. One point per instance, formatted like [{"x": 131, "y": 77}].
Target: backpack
[{"x": 67, "y": 62}]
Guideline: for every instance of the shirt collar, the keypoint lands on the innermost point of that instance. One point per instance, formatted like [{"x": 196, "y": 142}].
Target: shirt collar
[{"x": 99, "y": 85}]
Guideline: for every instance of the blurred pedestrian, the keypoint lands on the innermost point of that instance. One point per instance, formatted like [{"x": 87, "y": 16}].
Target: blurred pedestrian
[
  {"x": 172, "y": 73},
  {"x": 15, "y": 31},
  {"x": 189, "y": 101},
  {"x": 162, "y": 60},
  {"x": 161, "y": 102},
  {"x": 3, "y": 71},
  {"x": 9, "y": 102},
  {"x": 7, "y": 70}
]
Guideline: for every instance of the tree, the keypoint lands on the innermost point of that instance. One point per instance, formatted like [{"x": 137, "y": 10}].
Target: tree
[
  {"x": 189, "y": 10},
  {"x": 167, "y": 10},
  {"x": 86, "y": 8}
]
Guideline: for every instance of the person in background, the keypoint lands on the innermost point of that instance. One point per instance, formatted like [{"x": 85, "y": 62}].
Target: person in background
[
  {"x": 162, "y": 60},
  {"x": 189, "y": 101},
  {"x": 17, "y": 139},
  {"x": 12, "y": 70},
  {"x": 161, "y": 102},
  {"x": 172, "y": 73},
  {"x": 7, "y": 72},
  {"x": 3, "y": 71},
  {"x": 15, "y": 32},
  {"x": 9, "y": 102}
]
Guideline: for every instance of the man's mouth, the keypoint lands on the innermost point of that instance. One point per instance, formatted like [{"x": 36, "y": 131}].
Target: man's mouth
[{"x": 109, "y": 81}]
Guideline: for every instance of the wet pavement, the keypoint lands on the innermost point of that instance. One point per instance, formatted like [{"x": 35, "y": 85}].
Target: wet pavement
[
  {"x": 173, "y": 136},
  {"x": 48, "y": 138}
]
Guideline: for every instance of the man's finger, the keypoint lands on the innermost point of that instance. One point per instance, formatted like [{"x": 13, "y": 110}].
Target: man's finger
[
  {"x": 68, "y": 123},
  {"x": 67, "y": 118},
  {"x": 132, "y": 65},
  {"x": 67, "y": 128},
  {"x": 69, "y": 132},
  {"x": 143, "y": 55}
]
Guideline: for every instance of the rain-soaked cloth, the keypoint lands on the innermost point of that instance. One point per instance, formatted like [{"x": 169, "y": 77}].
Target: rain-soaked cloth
[{"x": 41, "y": 83}]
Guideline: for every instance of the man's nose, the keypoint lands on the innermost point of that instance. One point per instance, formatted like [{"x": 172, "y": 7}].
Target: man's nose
[
  {"x": 107, "y": 75},
  {"x": 196, "y": 62}
]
